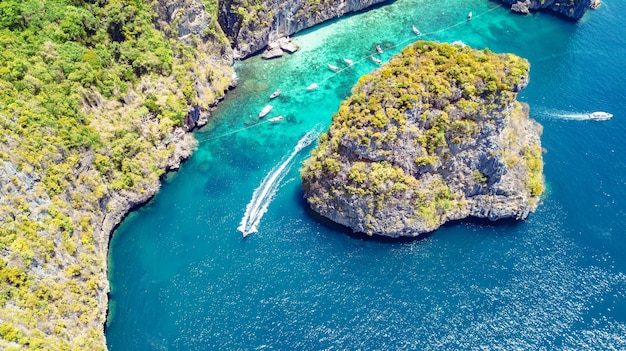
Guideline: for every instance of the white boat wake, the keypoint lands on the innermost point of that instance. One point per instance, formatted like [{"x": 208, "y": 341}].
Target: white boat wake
[
  {"x": 593, "y": 116},
  {"x": 264, "y": 193}
]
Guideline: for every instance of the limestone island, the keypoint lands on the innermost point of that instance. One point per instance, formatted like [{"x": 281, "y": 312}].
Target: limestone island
[{"x": 435, "y": 135}]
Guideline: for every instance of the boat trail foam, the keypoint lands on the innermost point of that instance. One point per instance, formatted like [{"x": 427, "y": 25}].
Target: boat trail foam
[{"x": 264, "y": 193}]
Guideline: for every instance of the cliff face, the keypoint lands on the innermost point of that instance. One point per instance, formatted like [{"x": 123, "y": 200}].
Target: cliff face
[
  {"x": 434, "y": 135},
  {"x": 86, "y": 137},
  {"x": 574, "y": 9},
  {"x": 252, "y": 27},
  {"x": 189, "y": 22}
]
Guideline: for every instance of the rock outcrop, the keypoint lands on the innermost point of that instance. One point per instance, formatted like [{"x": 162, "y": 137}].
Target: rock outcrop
[
  {"x": 251, "y": 26},
  {"x": 522, "y": 7},
  {"x": 435, "y": 135},
  {"x": 61, "y": 200},
  {"x": 574, "y": 9},
  {"x": 189, "y": 22}
]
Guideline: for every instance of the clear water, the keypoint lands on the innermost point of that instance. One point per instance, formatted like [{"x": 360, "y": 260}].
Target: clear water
[{"x": 182, "y": 277}]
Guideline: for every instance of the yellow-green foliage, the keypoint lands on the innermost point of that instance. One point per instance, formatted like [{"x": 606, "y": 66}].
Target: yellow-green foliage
[
  {"x": 424, "y": 76},
  {"x": 431, "y": 96},
  {"x": 64, "y": 67},
  {"x": 534, "y": 163},
  {"x": 434, "y": 202},
  {"x": 529, "y": 156},
  {"x": 252, "y": 14}
]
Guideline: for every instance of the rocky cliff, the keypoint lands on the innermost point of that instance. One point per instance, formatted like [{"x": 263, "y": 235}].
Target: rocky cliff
[
  {"x": 435, "y": 135},
  {"x": 87, "y": 133},
  {"x": 574, "y": 9},
  {"x": 251, "y": 26}
]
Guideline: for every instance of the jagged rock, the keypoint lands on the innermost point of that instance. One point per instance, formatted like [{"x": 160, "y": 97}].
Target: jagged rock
[
  {"x": 521, "y": 7},
  {"x": 574, "y": 9},
  {"x": 279, "y": 19},
  {"x": 189, "y": 22},
  {"x": 190, "y": 16},
  {"x": 277, "y": 48},
  {"x": 595, "y": 4},
  {"x": 272, "y": 53},
  {"x": 287, "y": 45},
  {"x": 412, "y": 150}
]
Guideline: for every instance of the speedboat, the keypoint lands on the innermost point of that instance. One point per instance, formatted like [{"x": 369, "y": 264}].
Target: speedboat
[
  {"x": 600, "y": 116},
  {"x": 377, "y": 60},
  {"x": 265, "y": 111},
  {"x": 379, "y": 49},
  {"x": 333, "y": 67},
  {"x": 276, "y": 119},
  {"x": 417, "y": 31},
  {"x": 348, "y": 62},
  {"x": 246, "y": 230},
  {"x": 312, "y": 86},
  {"x": 275, "y": 94}
]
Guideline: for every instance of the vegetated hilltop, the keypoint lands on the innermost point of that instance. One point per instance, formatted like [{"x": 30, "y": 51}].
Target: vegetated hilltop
[
  {"x": 434, "y": 135},
  {"x": 95, "y": 99}
]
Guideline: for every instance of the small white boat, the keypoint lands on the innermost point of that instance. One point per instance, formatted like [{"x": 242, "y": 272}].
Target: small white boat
[
  {"x": 275, "y": 94},
  {"x": 379, "y": 49},
  {"x": 600, "y": 116},
  {"x": 265, "y": 111},
  {"x": 276, "y": 119},
  {"x": 378, "y": 61},
  {"x": 246, "y": 230},
  {"x": 312, "y": 86},
  {"x": 416, "y": 31},
  {"x": 348, "y": 62},
  {"x": 469, "y": 16},
  {"x": 333, "y": 68}
]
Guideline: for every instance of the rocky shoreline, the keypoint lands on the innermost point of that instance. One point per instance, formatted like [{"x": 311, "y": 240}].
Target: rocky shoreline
[
  {"x": 405, "y": 155},
  {"x": 576, "y": 10}
]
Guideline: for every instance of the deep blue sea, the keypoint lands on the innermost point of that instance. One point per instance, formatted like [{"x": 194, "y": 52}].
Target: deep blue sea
[{"x": 183, "y": 278}]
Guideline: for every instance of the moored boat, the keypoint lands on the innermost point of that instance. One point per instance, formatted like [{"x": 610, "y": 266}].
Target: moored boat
[
  {"x": 333, "y": 68},
  {"x": 377, "y": 60},
  {"x": 600, "y": 116},
  {"x": 469, "y": 16},
  {"x": 276, "y": 119},
  {"x": 265, "y": 111},
  {"x": 416, "y": 31},
  {"x": 348, "y": 62},
  {"x": 275, "y": 94},
  {"x": 379, "y": 49},
  {"x": 312, "y": 86}
]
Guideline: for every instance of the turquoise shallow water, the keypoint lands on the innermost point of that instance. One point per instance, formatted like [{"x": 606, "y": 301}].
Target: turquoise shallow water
[{"x": 182, "y": 277}]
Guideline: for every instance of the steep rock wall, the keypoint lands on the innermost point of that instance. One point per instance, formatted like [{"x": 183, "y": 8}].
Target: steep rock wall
[
  {"x": 435, "y": 135},
  {"x": 574, "y": 9},
  {"x": 252, "y": 27},
  {"x": 59, "y": 203}
]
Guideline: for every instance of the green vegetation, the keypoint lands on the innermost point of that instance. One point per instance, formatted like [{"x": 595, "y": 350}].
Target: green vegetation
[
  {"x": 457, "y": 82},
  {"x": 88, "y": 90},
  {"x": 251, "y": 14},
  {"x": 390, "y": 139}
]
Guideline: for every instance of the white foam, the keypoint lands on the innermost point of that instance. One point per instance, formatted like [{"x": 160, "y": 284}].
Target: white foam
[{"x": 264, "y": 193}]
